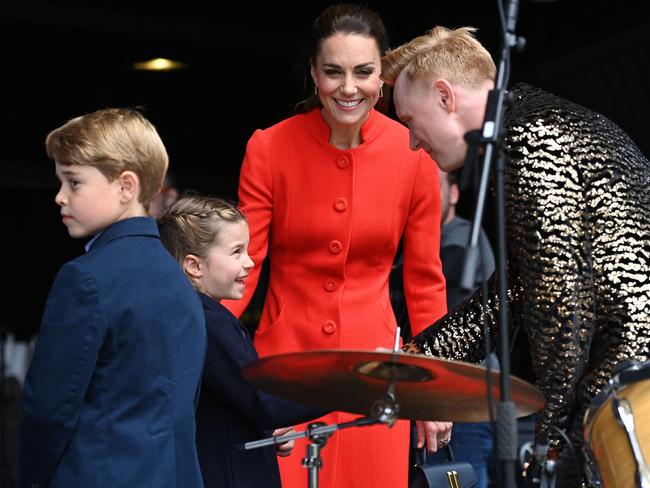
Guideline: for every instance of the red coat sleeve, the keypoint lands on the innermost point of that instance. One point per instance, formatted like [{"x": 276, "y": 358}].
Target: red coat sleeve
[{"x": 424, "y": 283}]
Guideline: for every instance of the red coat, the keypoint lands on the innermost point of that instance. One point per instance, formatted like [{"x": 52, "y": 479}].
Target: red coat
[{"x": 332, "y": 220}]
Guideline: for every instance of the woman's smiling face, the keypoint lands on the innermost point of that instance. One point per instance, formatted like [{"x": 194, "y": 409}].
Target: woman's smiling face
[{"x": 347, "y": 74}]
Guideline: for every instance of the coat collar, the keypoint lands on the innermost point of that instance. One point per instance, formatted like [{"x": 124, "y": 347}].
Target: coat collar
[
  {"x": 208, "y": 302},
  {"x": 213, "y": 305},
  {"x": 316, "y": 125},
  {"x": 134, "y": 226}
]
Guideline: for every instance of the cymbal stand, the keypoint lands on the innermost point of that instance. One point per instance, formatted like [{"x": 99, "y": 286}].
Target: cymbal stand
[
  {"x": 318, "y": 433},
  {"x": 383, "y": 411},
  {"x": 387, "y": 410},
  {"x": 312, "y": 461}
]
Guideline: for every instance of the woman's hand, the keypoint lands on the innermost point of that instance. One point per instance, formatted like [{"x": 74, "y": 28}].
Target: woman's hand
[{"x": 436, "y": 435}]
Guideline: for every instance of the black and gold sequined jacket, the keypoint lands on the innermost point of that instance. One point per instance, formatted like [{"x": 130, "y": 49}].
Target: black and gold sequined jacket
[{"x": 578, "y": 244}]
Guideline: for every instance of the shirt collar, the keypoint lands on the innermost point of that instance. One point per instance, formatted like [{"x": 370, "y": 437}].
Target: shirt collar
[{"x": 89, "y": 244}]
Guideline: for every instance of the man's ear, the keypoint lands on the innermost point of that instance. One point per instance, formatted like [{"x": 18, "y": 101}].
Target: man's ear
[
  {"x": 446, "y": 94},
  {"x": 129, "y": 186},
  {"x": 192, "y": 266}
]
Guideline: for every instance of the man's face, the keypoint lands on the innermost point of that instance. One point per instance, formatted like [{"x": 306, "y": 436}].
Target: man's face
[{"x": 420, "y": 105}]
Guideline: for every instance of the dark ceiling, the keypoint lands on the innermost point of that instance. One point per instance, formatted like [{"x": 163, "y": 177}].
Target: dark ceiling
[{"x": 64, "y": 58}]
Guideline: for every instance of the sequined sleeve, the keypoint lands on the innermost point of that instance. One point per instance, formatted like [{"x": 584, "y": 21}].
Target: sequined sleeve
[{"x": 459, "y": 335}]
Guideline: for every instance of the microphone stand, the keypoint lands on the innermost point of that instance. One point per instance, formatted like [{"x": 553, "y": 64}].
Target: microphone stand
[{"x": 491, "y": 139}]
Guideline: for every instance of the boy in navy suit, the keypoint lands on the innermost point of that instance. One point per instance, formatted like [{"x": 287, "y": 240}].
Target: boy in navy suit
[{"x": 109, "y": 398}]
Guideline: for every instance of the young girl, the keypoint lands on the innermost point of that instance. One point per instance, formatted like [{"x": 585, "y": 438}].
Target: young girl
[{"x": 209, "y": 238}]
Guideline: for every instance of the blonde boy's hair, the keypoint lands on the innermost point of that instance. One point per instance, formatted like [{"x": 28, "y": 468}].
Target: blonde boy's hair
[
  {"x": 113, "y": 140},
  {"x": 455, "y": 55}
]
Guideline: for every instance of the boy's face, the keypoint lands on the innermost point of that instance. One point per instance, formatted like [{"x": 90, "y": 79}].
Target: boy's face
[
  {"x": 227, "y": 264},
  {"x": 89, "y": 202}
]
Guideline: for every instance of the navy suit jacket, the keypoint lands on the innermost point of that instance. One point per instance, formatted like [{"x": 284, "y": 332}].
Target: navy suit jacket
[
  {"x": 109, "y": 398},
  {"x": 232, "y": 412}
]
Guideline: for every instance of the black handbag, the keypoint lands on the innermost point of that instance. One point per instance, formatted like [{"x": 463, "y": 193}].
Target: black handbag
[{"x": 446, "y": 474}]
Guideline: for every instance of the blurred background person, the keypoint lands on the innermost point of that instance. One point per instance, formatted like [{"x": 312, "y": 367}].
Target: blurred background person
[{"x": 471, "y": 441}]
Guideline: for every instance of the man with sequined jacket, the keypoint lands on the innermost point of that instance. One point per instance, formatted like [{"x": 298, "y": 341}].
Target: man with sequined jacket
[{"x": 577, "y": 228}]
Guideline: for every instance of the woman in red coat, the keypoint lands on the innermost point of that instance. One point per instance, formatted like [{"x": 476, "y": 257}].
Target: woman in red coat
[{"x": 329, "y": 193}]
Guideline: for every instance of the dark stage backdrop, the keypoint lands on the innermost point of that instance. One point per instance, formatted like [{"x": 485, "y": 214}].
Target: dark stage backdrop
[{"x": 63, "y": 58}]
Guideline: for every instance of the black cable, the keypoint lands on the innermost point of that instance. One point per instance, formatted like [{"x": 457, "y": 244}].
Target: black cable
[{"x": 572, "y": 449}]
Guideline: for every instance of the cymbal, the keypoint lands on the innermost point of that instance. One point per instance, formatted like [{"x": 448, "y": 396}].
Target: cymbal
[{"x": 425, "y": 388}]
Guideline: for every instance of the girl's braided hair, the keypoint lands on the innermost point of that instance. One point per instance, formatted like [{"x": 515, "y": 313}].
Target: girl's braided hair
[{"x": 191, "y": 225}]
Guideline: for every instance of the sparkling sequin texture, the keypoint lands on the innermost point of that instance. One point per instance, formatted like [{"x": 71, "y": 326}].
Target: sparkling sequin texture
[{"x": 578, "y": 240}]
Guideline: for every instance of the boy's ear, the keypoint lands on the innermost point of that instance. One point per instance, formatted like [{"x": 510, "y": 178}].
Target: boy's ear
[
  {"x": 192, "y": 266},
  {"x": 129, "y": 186}
]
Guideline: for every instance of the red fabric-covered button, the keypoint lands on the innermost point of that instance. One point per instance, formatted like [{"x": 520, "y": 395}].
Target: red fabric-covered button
[
  {"x": 335, "y": 247},
  {"x": 340, "y": 204},
  {"x": 329, "y": 327},
  {"x": 343, "y": 161},
  {"x": 330, "y": 285}
]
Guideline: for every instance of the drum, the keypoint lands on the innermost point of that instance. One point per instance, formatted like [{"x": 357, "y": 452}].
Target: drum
[{"x": 617, "y": 431}]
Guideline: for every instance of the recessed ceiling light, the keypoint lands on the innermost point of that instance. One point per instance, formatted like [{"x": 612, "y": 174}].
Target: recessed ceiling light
[{"x": 159, "y": 64}]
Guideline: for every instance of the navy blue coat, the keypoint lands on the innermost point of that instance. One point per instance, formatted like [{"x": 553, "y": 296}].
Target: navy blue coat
[
  {"x": 232, "y": 412},
  {"x": 109, "y": 399}
]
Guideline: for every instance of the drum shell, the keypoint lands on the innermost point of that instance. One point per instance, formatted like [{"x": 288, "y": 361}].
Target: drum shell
[{"x": 607, "y": 443}]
